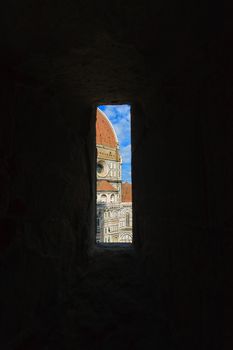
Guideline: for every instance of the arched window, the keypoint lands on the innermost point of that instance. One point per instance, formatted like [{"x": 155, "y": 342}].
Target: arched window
[
  {"x": 112, "y": 198},
  {"x": 103, "y": 198}
]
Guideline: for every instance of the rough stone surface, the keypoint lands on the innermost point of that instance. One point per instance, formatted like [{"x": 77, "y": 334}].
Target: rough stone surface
[{"x": 58, "y": 61}]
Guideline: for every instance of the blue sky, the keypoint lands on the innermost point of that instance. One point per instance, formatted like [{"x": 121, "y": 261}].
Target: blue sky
[{"x": 119, "y": 115}]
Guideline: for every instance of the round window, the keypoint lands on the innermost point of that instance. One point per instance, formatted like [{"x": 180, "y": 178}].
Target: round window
[{"x": 102, "y": 168}]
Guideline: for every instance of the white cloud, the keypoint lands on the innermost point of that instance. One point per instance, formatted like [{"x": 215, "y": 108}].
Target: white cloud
[
  {"x": 126, "y": 154},
  {"x": 122, "y": 128},
  {"x": 117, "y": 111}
]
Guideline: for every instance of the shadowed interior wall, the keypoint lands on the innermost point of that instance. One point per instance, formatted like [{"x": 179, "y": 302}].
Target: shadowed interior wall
[{"x": 58, "y": 63}]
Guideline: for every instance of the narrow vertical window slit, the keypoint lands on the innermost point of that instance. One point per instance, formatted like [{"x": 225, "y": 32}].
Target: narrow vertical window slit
[{"x": 113, "y": 175}]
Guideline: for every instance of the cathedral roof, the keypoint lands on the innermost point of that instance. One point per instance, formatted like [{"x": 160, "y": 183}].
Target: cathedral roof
[
  {"x": 104, "y": 185},
  {"x": 126, "y": 191},
  {"x": 105, "y": 134}
]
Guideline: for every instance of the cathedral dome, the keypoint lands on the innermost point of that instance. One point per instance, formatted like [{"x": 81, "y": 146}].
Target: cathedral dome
[{"x": 105, "y": 134}]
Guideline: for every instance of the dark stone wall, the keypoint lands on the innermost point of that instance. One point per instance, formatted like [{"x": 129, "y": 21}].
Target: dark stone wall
[
  {"x": 46, "y": 201},
  {"x": 181, "y": 245},
  {"x": 172, "y": 64}
]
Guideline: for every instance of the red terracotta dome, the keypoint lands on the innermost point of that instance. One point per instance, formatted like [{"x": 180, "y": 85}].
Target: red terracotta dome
[{"x": 105, "y": 134}]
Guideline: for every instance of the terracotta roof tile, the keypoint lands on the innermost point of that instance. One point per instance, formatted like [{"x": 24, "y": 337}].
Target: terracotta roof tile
[
  {"x": 126, "y": 192},
  {"x": 104, "y": 185},
  {"x": 104, "y": 133}
]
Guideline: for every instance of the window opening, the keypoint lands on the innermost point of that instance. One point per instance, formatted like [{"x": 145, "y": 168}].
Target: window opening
[{"x": 113, "y": 174}]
